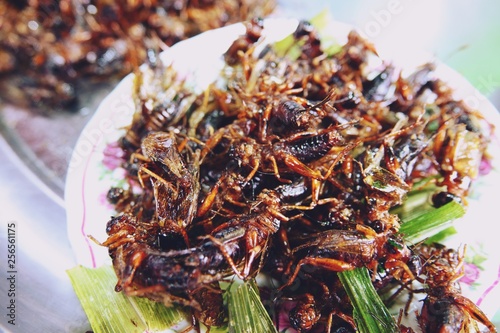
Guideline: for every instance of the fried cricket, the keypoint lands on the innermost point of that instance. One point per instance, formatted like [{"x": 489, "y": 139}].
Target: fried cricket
[{"x": 291, "y": 169}]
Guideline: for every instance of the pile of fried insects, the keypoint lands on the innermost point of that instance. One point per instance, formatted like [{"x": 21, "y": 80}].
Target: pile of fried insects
[
  {"x": 48, "y": 48},
  {"x": 290, "y": 167}
]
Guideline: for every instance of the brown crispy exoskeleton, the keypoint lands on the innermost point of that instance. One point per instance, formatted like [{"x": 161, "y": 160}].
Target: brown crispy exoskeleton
[
  {"x": 444, "y": 309},
  {"x": 174, "y": 180},
  {"x": 341, "y": 250}
]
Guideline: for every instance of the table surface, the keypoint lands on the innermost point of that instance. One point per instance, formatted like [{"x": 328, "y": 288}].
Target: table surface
[{"x": 34, "y": 163}]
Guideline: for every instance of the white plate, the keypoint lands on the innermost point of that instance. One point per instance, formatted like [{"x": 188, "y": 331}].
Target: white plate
[{"x": 199, "y": 59}]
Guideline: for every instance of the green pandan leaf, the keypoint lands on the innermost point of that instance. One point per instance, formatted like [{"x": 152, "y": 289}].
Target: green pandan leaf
[
  {"x": 109, "y": 311},
  {"x": 431, "y": 222},
  {"x": 370, "y": 313},
  {"x": 247, "y": 314}
]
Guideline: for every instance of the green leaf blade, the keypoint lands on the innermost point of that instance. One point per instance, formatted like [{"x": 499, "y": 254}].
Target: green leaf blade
[
  {"x": 370, "y": 313},
  {"x": 431, "y": 222},
  {"x": 247, "y": 314},
  {"x": 109, "y": 311}
]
